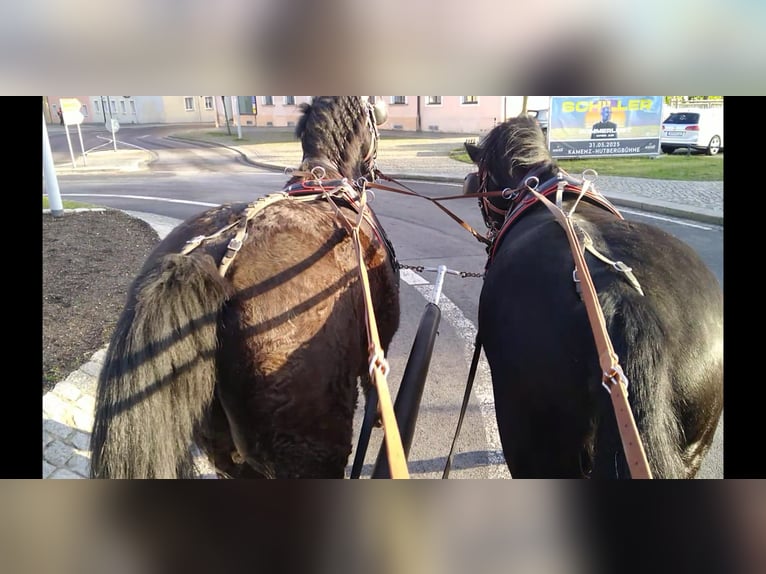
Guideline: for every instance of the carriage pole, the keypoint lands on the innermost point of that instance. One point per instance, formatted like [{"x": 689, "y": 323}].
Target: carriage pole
[{"x": 408, "y": 398}]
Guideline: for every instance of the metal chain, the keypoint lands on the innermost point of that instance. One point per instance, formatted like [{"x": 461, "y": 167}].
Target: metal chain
[{"x": 421, "y": 268}]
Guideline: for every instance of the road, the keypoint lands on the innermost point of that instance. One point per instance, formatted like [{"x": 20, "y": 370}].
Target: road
[{"x": 187, "y": 179}]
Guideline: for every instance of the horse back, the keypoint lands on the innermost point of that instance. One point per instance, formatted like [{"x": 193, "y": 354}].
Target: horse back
[{"x": 669, "y": 340}]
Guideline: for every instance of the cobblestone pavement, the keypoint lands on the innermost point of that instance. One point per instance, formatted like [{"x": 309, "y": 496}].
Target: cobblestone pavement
[
  {"x": 68, "y": 420},
  {"x": 68, "y": 408}
]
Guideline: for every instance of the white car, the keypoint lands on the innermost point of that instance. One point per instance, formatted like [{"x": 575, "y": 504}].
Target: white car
[{"x": 697, "y": 129}]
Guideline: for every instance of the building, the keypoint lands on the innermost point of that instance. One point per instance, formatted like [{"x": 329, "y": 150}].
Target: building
[
  {"x": 452, "y": 114},
  {"x": 139, "y": 109}
]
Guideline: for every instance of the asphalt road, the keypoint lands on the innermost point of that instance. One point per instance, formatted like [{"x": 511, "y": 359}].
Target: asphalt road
[{"x": 188, "y": 178}]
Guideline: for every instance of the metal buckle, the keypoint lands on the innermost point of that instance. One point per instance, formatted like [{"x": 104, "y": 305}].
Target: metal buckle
[
  {"x": 377, "y": 361},
  {"x": 615, "y": 376},
  {"x": 235, "y": 245}
]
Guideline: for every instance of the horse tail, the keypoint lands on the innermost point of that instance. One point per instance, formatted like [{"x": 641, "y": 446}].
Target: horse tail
[{"x": 159, "y": 372}]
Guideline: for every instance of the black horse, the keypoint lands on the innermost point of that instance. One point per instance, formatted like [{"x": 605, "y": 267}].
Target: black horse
[
  {"x": 245, "y": 331},
  {"x": 663, "y": 310}
]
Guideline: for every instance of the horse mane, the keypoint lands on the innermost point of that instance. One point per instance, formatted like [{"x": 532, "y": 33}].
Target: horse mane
[
  {"x": 334, "y": 134},
  {"x": 514, "y": 147}
]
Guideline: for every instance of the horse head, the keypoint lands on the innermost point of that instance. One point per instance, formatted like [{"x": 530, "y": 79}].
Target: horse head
[
  {"x": 340, "y": 134},
  {"x": 507, "y": 157}
]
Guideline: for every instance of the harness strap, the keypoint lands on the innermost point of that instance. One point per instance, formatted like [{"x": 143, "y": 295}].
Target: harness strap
[
  {"x": 525, "y": 201},
  {"x": 614, "y": 379},
  {"x": 435, "y": 201},
  {"x": 236, "y": 242},
  {"x": 397, "y": 461},
  {"x": 464, "y": 407},
  {"x": 618, "y": 266}
]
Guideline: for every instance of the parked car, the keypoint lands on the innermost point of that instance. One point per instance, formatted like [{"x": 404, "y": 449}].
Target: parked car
[
  {"x": 697, "y": 129},
  {"x": 542, "y": 119}
]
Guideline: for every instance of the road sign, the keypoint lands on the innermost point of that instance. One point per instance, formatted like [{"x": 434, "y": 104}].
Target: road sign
[
  {"x": 112, "y": 125},
  {"x": 71, "y": 111}
]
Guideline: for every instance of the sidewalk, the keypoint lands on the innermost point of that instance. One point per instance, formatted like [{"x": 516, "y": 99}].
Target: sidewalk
[{"x": 68, "y": 408}]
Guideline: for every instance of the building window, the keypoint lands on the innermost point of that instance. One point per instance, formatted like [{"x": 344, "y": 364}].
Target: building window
[
  {"x": 123, "y": 109},
  {"x": 84, "y": 110},
  {"x": 189, "y": 103},
  {"x": 398, "y": 100},
  {"x": 208, "y": 102},
  {"x": 112, "y": 107},
  {"x": 469, "y": 99},
  {"x": 97, "y": 106},
  {"x": 244, "y": 104},
  {"x": 289, "y": 100},
  {"x": 433, "y": 100},
  {"x": 268, "y": 100},
  {"x": 132, "y": 107}
]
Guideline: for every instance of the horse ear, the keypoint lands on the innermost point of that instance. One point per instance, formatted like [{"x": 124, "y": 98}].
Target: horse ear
[
  {"x": 474, "y": 151},
  {"x": 381, "y": 112}
]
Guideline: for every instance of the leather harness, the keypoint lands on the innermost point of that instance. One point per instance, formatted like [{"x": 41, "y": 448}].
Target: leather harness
[{"x": 613, "y": 377}]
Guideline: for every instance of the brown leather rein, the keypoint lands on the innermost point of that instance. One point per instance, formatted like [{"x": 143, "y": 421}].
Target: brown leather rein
[
  {"x": 613, "y": 378},
  {"x": 403, "y": 189}
]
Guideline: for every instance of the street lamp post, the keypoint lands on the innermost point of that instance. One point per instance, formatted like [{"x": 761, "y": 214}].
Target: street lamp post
[{"x": 49, "y": 175}]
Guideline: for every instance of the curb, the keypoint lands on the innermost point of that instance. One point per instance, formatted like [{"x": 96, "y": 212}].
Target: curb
[
  {"x": 129, "y": 166},
  {"x": 670, "y": 210},
  {"x": 657, "y": 206}
]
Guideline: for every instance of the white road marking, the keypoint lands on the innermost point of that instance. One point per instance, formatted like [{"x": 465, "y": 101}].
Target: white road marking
[
  {"x": 109, "y": 140},
  {"x": 143, "y": 197},
  {"x": 668, "y": 219},
  {"x": 482, "y": 383}
]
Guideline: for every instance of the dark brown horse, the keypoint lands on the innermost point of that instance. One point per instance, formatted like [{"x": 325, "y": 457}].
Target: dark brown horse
[
  {"x": 663, "y": 310},
  {"x": 246, "y": 332}
]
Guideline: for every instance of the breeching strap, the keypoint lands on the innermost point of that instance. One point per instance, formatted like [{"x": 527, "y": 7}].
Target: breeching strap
[{"x": 614, "y": 379}]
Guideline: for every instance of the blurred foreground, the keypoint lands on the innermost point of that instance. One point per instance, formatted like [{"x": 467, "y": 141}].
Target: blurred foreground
[
  {"x": 58, "y": 46},
  {"x": 386, "y": 527}
]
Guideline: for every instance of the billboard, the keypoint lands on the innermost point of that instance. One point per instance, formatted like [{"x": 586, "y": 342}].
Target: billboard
[{"x": 592, "y": 126}]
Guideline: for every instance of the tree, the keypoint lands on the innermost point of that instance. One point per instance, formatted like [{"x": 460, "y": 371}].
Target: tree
[
  {"x": 226, "y": 115},
  {"x": 524, "y": 105}
]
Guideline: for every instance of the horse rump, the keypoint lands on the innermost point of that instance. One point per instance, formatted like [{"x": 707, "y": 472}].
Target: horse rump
[{"x": 159, "y": 371}]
